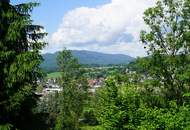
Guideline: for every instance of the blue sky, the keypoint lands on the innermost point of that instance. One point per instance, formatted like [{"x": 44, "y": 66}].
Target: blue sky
[
  {"x": 50, "y": 13},
  {"x": 109, "y": 26}
]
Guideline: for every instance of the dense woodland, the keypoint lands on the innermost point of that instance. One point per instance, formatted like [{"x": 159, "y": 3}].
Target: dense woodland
[
  {"x": 150, "y": 93},
  {"x": 86, "y": 59}
]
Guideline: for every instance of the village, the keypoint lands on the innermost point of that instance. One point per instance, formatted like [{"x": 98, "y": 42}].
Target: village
[{"x": 51, "y": 86}]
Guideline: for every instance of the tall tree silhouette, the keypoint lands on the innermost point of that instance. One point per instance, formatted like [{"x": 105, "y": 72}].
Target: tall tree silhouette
[{"x": 20, "y": 45}]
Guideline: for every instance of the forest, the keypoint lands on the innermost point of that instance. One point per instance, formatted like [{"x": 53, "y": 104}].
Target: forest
[{"x": 149, "y": 93}]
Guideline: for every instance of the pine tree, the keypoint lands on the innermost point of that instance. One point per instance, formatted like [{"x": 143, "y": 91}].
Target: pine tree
[{"x": 20, "y": 45}]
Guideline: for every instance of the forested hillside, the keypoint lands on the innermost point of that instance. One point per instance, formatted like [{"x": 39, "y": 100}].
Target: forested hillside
[{"x": 87, "y": 58}]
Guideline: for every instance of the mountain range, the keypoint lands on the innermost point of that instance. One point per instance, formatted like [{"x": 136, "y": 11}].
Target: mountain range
[{"x": 86, "y": 58}]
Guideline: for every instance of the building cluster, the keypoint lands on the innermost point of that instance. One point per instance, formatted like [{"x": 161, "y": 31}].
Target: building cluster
[
  {"x": 95, "y": 84},
  {"x": 51, "y": 86}
]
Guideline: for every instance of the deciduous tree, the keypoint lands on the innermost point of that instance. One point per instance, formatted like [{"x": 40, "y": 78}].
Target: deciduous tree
[
  {"x": 168, "y": 43},
  {"x": 73, "y": 94}
]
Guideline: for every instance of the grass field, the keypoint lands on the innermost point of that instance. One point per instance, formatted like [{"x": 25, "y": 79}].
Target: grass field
[
  {"x": 91, "y": 128},
  {"x": 54, "y": 75}
]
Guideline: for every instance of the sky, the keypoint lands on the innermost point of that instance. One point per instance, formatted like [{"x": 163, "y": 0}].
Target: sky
[{"x": 108, "y": 26}]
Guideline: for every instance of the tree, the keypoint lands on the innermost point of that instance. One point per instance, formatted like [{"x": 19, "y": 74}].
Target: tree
[
  {"x": 121, "y": 106},
  {"x": 117, "y": 104},
  {"x": 107, "y": 106},
  {"x": 20, "y": 58},
  {"x": 168, "y": 45},
  {"x": 48, "y": 109},
  {"x": 73, "y": 94}
]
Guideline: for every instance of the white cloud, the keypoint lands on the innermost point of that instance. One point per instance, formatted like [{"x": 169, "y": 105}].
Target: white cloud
[{"x": 112, "y": 28}]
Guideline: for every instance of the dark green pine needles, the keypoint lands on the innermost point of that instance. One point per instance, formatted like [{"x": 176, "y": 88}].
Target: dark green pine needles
[{"x": 20, "y": 45}]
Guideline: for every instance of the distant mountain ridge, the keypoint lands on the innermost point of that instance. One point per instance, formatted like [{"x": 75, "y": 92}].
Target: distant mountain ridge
[{"x": 87, "y": 58}]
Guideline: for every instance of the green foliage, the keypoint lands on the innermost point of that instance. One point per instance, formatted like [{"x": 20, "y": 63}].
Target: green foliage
[
  {"x": 6, "y": 127},
  {"x": 48, "y": 107},
  {"x": 111, "y": 107},
  {"x": 158, "y": 118},
  {"x": 73, "y": 94},
  {"x": 54, "y": 75},
  {"x": 89, "y": 118},
  {"x": 92, "y": 128},
  {"x": 123, "y": 106},
  {"x": 167, "y": 42},
  {"x": 20, "y": 45},
  {"x": 140, "y": 65}
]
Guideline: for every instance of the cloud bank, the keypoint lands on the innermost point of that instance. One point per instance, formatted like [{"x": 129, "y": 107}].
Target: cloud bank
[{"x": 111, "y": 28}]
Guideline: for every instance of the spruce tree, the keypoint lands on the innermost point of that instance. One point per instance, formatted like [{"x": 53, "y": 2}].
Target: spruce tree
[{"x": 20, "y": 45}]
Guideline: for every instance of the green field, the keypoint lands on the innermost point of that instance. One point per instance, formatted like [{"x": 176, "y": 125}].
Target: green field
[
  {"x": 54, "y": 75},
  {"x": 91, "y": 128}
]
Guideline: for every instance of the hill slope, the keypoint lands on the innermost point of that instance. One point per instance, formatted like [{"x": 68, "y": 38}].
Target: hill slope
[{"x": 88, "y": 58}]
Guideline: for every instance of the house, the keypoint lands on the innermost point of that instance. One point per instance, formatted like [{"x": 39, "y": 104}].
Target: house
[{"x": 95, "y": 84}]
